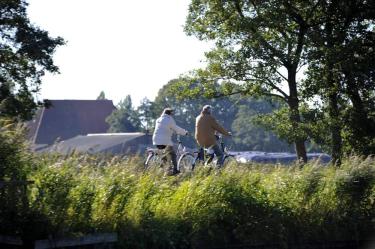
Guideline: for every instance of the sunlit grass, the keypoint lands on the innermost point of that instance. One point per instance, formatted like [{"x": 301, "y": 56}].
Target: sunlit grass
[{"x": 242, "y": 203}]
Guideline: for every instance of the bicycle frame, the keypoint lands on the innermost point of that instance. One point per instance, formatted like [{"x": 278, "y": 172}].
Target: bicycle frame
[
  {"x": 152, "y": 152},
  {"x": 206, "y": 156},
  {"x": 186, "y": 161}
]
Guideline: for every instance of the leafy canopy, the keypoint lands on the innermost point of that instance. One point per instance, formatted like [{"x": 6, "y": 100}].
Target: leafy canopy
[{"x": 25, "y": 55}]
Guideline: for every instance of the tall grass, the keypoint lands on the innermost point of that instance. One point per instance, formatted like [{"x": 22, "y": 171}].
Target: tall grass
[{"x": 241, "y": 204}]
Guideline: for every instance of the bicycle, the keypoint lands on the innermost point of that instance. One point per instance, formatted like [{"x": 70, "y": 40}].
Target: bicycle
[
  {"x": 206, "y": 156},
  {"x": 156, "y": 157}
]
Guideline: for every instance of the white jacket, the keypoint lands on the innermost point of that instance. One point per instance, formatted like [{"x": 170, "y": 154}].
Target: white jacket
[{"x": 164, "y": 128}]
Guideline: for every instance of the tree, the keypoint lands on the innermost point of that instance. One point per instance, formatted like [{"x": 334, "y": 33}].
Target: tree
[
  {"x": 233, "y": 112},
  {"x": 341, "y": 73},
  {"x": 25, "y": 55},
  {"x": 260, "y": 47},
  {"x": 17, "y": 161},
  {"x": 125, "y": 118},
  {"x": 248, "y": 135},
  {"x": 186, "y": 110},
  {"x": 101, "y": 96},
  {"x": 146, "y": 114}
]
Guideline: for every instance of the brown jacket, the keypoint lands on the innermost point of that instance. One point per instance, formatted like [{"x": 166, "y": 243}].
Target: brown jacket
[{"x": 205, "y": 127}]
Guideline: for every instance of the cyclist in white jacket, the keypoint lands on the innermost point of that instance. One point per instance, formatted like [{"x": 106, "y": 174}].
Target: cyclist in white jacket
[{"x": 165, "y": 127}]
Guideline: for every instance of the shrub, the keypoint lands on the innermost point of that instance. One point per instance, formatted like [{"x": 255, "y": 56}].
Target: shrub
[{"x": 241, "y": 204}]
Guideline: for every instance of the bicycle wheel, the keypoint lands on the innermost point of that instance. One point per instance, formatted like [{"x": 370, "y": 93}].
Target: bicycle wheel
[
  {"x": 152, "y": 161},
  {"x": 186, "y": 163},
  {"x": 229, "y": 160}
]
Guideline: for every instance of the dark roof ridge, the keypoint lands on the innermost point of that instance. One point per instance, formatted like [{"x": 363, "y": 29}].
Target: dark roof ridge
[
  {"x": 65, "y": 119},
  {"x": 80, "y": 100}
]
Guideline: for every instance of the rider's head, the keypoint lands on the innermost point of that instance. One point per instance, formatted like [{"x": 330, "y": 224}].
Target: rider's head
[
  {"x": 168, "y": 111},
  {"x": 207, "y": 109}
]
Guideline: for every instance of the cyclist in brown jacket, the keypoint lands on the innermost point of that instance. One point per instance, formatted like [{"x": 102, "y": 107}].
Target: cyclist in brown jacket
[{"x": 205, "y": 128}]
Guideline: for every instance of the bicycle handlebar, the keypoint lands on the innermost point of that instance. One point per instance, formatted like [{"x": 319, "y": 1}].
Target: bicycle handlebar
[
  {"x": 179, "y": 137},
  {"x": 218, "y": 136}
]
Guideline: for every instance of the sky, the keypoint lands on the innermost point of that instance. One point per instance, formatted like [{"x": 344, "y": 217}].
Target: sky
[{"x": 120, "y": 47}]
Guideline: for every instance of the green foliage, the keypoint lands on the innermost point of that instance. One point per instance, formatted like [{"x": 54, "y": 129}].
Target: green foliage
[
  {"x": 340, "y": 73},
  {"x": 26, "y": 54},
  {"x": 260, "y": 46},
  {"x": 124, "y": 118},
  {"x": 250, "y": 136},
  {"x": 358, "y": 130},
  {"x": 313, "y": 126},
  {"x": 187, "y": 109},
  {"x": 54, "y": 187},
  {"x": 15, "y": 158},
  {"x": 146, "y": 114},
  {"x": 234, "y": 112},
  {"x": 101, "y": 96},
  {"x": 16, "y": 163},
  {"x": 241, "y": 204}
]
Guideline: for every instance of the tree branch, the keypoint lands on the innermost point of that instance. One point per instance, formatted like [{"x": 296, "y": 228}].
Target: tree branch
[
  {"x": 294, "y": 14},
  {"x": 274, "y": 95},
  {"x": 300, "y": 66},
  {"x": 254, "y": 31},
  {"x": 270, "y": 83},
  {"x": 282, "y": 76},
  {"x": 220, "y": 95},
  {"x": 238, "y": 8},
  {"x": 314, "y": 8}
]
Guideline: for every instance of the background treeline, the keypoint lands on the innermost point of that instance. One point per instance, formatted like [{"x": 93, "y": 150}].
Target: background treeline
[
  {"x": 260, "y": 47},
  {"x": 316, "y": 57},
  {"x": 236, "y": 113},
  {"x": 243, "y": 204}
]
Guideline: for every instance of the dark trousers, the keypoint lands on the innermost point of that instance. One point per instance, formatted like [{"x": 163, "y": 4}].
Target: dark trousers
[
  {"x": 219, "y": 155},
  {"x": 217, "y": 151},
  {"x": 169, "y": 154}
]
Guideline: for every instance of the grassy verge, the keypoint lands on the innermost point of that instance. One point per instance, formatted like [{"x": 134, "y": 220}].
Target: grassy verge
[{"x": 241, "y": 204}]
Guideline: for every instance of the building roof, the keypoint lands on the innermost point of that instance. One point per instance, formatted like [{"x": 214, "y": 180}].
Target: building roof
[
  {"x": 114, "y": 143},
  {"x": 68, "y": 118}
]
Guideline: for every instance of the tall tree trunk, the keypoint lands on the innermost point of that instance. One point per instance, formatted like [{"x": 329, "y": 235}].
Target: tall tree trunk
[
  {"x": 332, "y": 90},
  {"x": 336, "y": 139},
  {"x": 355, "y": 98},
  {"x": 362, "y": 126},
  {"x": 295, "y": 118}
]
